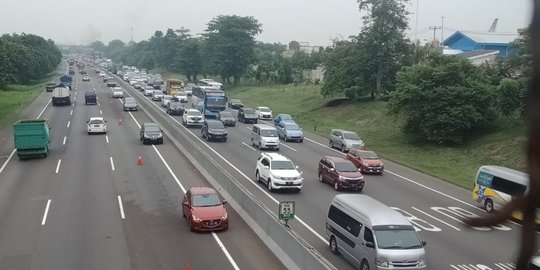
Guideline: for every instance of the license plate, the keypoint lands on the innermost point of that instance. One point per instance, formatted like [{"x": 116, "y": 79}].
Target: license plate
[
  {"x": 96, "y": 125},
  {"x": 289, "y": 183}
]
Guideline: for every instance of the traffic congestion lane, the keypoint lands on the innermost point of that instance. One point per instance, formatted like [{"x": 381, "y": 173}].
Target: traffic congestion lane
[{"x": 238, "y": 240}]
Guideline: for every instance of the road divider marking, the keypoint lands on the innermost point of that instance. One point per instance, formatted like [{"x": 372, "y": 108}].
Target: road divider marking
[
  {"x": 112, "y": 163},
  {"x": 8, "y": 159},
  {"x": 44, "y": 219},
  {"x": 136, "y": 122},
  {"x": 234, "y": 265},
  {"x": 249, "y": 146},
  {"x": 454, "y": 227},
  {"x": 73, "y": 104},
  {"x": 289, "y": 147},
  {"x": 107, "y": 138},
  {"x": 100, "y": 112},
  {"x": 69, "y": 122},
  {"x": 99, "y": 104},
  {"x": 64, "y": 142},
  {"x": 46, "y": 105},
  {"x": 58, "y": 166},
  {"x": 74, "y": 98},
  {"x": 121, "y": 207}
]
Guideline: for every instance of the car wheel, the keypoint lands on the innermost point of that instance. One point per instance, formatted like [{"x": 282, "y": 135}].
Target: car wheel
[
  {"x": 321, "y": 178},
  {"x": 259, "y": 146},
  {"x": 364, "y": 265},
  {"x": 333, "y": 245},
  {"x": 488, "y": 205},
  {"x": 252, "y": 142},
  {"x": 190, "y": 223},
  {"x": 331, "y": 144},
  {"x": 336, "y": 185},
  {"x": 301, "y": 140},
  {"x": 269, "y": 185},
  {"x": 257, "y": 177},
  {"x": 343, "y": 148}
]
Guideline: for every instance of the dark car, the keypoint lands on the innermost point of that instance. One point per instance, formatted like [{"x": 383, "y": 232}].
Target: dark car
[
  {"x": 235, "y": 104},
  {"x": 111, "y": 83},
  {"x": 341, "y": 173},
  {"x": 151, "y": 133},
  {"x": 130, "y": 104},
  {"x": 227, "y": 118},
  {"x": 90, "y": 98},
  {"x": 214, "y": 130},
  {"x": 175, "y": 107},
  {"x": 247, "y": 115},
  {"x": 204, "y": 210}
]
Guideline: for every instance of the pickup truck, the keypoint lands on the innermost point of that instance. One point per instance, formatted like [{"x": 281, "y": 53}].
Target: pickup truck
[{"x": 31, "y": 138}]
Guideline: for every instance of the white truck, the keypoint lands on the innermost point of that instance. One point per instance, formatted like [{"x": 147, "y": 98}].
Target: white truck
[{"x": 61, "y": 96}]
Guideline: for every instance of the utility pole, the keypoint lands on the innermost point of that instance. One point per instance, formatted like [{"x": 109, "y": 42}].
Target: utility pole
[
  {"x": 434, "y": 28},
  {"x": 131, "y": 35},
  {"x": 416, "y": 43},
  {"x": 442, "y": 30}
]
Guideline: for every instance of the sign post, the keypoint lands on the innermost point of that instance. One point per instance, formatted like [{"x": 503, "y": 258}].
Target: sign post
[{"x": 286, "y": 211}]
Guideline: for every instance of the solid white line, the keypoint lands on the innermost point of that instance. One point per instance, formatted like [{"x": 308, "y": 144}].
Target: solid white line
[
  {"x": 136, "y": 122},
  {"x": 107, "y": 138},
  {"x": 71, "y": 113},
  {"x": 69, "y": 122},
  {"x": 73, "y": 104},
  {"x": 288, "y": 147},
  {"x": 99, "y": 104},
  {"x": 235, "y": 266},
  {"x": 58, "y": 165},
  {"x": 64, "y": 142},
  {"x": 9, "y": 158},
  {"x": 112, "y": 163},
  {"x": 74, "y": 98},
  {"x": 121, "y": 207},
  {"x": 248, "y": 146},
  {"x": 46, "y": 213},
  {"x": 435, "y": 218},
  {"x": 100, "y": 112},
  {"x": 46, "y": 105}
]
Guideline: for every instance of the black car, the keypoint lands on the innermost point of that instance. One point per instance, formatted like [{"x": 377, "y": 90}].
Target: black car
[
  {"x": 151, "y": 133},
  {"x": 90, "y": 98},
  {"x": 235, "y": 104},
  {"x": 175, "y": 107},
  {"x": 214, "y": 130},
  {"x": 227, "y": 118},
  {"x": 247, "y": 115}
]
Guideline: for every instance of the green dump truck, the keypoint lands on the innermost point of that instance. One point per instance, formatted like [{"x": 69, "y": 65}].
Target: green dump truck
[{"x": 31, "y": 138}]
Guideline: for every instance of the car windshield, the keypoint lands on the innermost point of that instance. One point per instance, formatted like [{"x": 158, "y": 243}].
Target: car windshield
[
  {"x": 292, "y": 127},
  {"x": 285, "y": 117},
  {"x": 345, "y": 167},
  {"x": 350, "y": 136},
  {"x": 367, "y": 155},
  {"x": 269, "y": 133},
  {"x": 249, "y": 111},
  {"x": 397, "y": 239},
  {"x": 167, "y": 97},
  {"x": 181, "y": 95},
  {"x": 194, "y": 113},
  {"x": 215, "y": 124},
  {"x": 176, "y": 104},
  {"x": 235, "y": 101},
  {"x": 225, "y": 114},
  {"x": 282, "y": 165},
  {"x": 264, "y": 109},
  {"x": 152, "y": 128},
  {"x": 206, "y": 200},
  {"x": 95, "y": 122},
  {"x": 130, "y": 101}
]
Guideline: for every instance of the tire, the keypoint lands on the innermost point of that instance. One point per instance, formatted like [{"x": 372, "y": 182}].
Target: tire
[
  {"x": 225, "y": 140},
  {"x": 190, "y": 224},
  {"x": 343, "y": 148},
  {"x": 331, "y": 144},
  {"x": 321, "y": 178},
  {"x": 336, "y": 185},
  {"x": 301, "y": 140},
  {"x": 257, "y": 177},
  {"x": 269, "y": 185},
  {"x": 488, "y": 205},
  {"x": 364, "y": 265},
  {"x": 252, "y": 142},
  {"x": 259, "y": 146},
  {"x": 333, "y": 245}
]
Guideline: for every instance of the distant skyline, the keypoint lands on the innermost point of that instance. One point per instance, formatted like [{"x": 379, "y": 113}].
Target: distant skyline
[{"x": 314, "y": 21}]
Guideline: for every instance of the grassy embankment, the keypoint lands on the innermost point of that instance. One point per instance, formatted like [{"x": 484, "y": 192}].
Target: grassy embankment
[
  {"x": 502, "y": 145},
  {"x": 15, "y": 98}
]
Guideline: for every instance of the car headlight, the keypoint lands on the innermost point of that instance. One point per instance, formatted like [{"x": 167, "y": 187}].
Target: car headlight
[
  {"x": 277, "y": 177},
  {"x": 365, "y": 164},
  {"x": 341, "y": 178},
  {"x": 421, "y": 262},
  {"x": 382, "y": 262},
  {"x": 194, "y": 218},
  {"x": 224, "y": 216}
]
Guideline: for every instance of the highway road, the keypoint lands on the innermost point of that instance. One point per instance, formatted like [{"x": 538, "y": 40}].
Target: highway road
[
  {"x": 88, "y": 205},
  {"x": 435, "y": 208}
]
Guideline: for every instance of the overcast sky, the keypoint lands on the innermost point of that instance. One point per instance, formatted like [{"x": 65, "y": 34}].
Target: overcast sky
[{"x": 315, "y": 21}]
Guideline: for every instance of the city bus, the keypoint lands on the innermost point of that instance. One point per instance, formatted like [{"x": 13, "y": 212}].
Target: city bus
[
  {"x": 495, "y": 186},
  {"x": 209, "y": 100}
]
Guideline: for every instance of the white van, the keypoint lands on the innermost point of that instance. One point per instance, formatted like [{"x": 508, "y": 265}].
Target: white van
[
  {"x": 264, "y": 136},
  {"x": 371, "y": 235}
]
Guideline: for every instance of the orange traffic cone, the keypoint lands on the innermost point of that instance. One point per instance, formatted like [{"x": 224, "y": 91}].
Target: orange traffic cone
[
  {"x": 139, "y": 159},
  {"x": 188, "y": 267},
  {"x": 120, "y": 122}
]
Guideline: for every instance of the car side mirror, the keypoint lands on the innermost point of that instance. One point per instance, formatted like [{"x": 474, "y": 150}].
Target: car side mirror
[
  {"x": 370, "y": 244},
  {"x": 296, "y": 167},
  {"x": 87, "y": 121},
  {"x": 185, "y": 203},
  {"x": 424, "y": 243},
  {"x": 105, "y": 121},
  {"x": 332, "y": 169},
  {"x": 224, "y": 201},
  {"x": 266, "y": 166}
]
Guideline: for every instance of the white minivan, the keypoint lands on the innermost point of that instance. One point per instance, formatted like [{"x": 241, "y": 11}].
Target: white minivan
[
  {"x": 264, "y": 136},
  {"x": 371, "y": 235}
]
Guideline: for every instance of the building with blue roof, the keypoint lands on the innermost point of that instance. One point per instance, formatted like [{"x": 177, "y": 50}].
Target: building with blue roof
[{"x": 481, "y": 41}]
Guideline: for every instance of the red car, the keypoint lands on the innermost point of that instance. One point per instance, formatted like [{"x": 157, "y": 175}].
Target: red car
[
  {"x": 341, "y": 173},
  {"x": 204, "y": 210},
  {"x": 366, "y": 161}
]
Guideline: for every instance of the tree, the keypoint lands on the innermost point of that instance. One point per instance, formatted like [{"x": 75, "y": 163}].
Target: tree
[
  {"x": 114, "y": 49},
  {"x": 441, "y": 99},
  {"x": 190, "y": 58},
  {"x": 342, "y": 66},
  {"x": 510, "y": 97},
  {"x": 98, "y": 46},
  {"x": 230, "y": 44},
  {"x": 383, "y": 42}
]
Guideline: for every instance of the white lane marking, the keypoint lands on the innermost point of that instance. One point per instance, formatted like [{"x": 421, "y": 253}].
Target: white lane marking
[
  {"x": 75, "y": 98},
  {"x": 235, "y": 266},
  {"x": 112, "y": 163},
  {"x": 223, "y": 248},
  {"x": 121, "y": 101},
  {"x": 100, "y": 112},
  {"x": 107, "y": 138},
  {"x": 9, "y": 158},
  {"x": 44, "y": 219},
  {"x": 248, "y": 146},
  {"x": 69, "y": 122},
  {"x": 64, "y": 142},
  {"x": 249, "y": 128},
  {"x": 46, "y": 105},
  {"x": 99, "y": 104},
  {"x": 121, "y": 207},
  {"x": 71, "y": 113},
  {"x": 288, "y": 147},
  {"x": 58, "y": 166},
  {"x": 136, "y": 122},
  {"x": 73, "y": 104},
  {"x": 241, "y": 173},
  {"x": 454, "y": 227}
]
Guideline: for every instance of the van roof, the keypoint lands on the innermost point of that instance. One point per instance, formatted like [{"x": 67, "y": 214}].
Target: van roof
[
  {"x": 507, "y": 173},
  {"x": 376, "y": 212},
  {"x": 264, "y": 126}
]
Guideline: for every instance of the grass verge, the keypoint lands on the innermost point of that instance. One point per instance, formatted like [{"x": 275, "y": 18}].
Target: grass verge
[{"x": 502, "y": 145}]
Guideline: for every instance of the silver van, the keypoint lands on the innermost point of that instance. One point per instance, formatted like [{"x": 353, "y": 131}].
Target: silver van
[
  {"x": 264, "y": 136},
  {"x": 371, "y": 235}
]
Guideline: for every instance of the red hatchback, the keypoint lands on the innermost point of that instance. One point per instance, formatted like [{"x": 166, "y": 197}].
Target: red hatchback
[
  {"x": 204, "y": 209},
  {"x": 341, "y": 173},
  {"x": 366, "y": 161}
]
